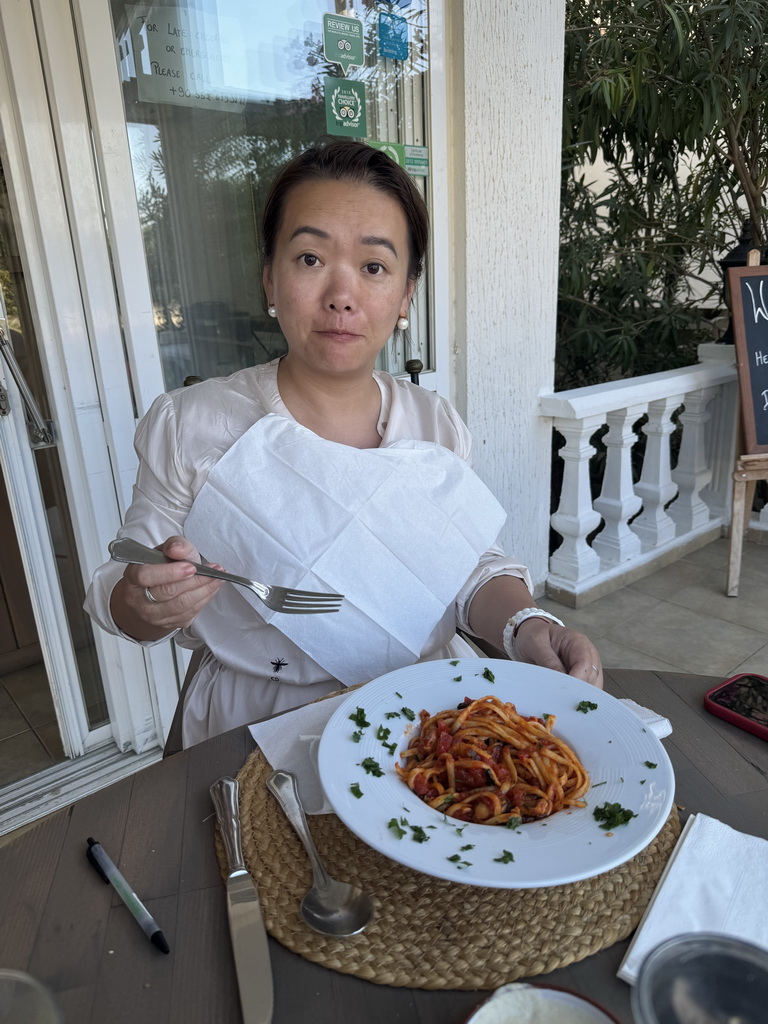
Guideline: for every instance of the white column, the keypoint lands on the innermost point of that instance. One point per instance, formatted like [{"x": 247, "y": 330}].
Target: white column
[
  {"x": 575, "y": 518},
  {"x": 618, "y": 502},
  {"x": 654, "y": 525},
  {"x": 504, "y": 103},
  {"x": 693, "y": 471}
]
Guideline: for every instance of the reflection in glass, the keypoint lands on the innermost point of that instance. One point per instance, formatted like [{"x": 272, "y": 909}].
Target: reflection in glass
[{"x": 218, "y": 95}]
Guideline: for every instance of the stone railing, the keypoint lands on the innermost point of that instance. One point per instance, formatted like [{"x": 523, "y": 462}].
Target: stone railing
[{"x": 654, "y": 519}]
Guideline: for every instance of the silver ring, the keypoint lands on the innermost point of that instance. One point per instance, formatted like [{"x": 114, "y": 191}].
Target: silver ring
[
  {"x": 148, "y": 595},
  {"x": 594, "y": 666}
]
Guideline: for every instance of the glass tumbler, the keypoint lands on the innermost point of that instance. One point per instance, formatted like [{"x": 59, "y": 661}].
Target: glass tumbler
[
  {"x": 23, "y": 1000},
  {"x": 702, "y": 978}
]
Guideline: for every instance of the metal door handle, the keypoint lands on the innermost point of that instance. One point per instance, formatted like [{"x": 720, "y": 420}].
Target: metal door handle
[{"x": 40, "y": 432}]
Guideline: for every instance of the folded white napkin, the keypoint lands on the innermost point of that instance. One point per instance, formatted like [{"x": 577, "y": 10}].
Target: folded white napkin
[
  {"x": 658, "y": 725},
  {"x": 715, "y": 881},
  {"x": 290, "y": 741}
]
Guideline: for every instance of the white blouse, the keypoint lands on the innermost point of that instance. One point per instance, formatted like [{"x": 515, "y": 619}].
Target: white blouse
[{"x": 178, "y": 442}]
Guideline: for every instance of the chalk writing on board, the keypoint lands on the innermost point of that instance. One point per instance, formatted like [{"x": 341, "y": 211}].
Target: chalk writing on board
[
  {"x": 750, "y": 330},
  {"x": 759, "y": 308}
]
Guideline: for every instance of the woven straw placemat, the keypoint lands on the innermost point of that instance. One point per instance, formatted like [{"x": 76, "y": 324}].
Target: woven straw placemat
[{"x": 429, "y": 933}]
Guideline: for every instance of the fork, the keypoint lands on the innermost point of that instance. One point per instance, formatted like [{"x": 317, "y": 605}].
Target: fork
[{"x": 279, "y": 599}]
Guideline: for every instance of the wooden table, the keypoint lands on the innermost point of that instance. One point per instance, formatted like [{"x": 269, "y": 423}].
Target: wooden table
[{"x": 60, "y": 923}]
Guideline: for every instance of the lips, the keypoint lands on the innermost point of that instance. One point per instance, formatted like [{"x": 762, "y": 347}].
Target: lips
[{"x": 338, "y": 335}]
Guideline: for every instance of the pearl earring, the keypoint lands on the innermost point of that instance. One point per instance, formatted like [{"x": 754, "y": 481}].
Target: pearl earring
[
  {"x": 402, "y": 323},
  {"x": 272, "y": 311}
]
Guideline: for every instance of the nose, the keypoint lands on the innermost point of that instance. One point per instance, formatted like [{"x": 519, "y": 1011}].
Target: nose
[{"x": 340, "y": 291}]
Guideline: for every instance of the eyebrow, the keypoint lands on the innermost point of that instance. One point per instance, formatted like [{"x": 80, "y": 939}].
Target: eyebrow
[{"x": 307, "y": 229}]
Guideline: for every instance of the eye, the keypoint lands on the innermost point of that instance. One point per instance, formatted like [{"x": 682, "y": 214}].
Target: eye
[
  {"x": 309, "y": 260},
  {"x": 374, "y": 269}
]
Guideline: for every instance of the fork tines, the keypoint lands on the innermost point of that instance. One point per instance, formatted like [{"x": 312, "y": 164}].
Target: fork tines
[{"x": 307, "y": 602}]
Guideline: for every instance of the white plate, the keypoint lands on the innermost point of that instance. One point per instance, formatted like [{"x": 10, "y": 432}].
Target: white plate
[{"x": 612, "y": 743}]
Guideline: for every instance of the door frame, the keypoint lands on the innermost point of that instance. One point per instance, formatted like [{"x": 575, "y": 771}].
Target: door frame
[{"x": 53, "y": 190}]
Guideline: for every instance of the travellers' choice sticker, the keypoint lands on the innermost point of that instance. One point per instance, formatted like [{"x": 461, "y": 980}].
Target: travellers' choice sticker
[{"x": 345, "y": 108}]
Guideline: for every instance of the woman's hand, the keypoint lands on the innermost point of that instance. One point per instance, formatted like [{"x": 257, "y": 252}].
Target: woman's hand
[
  {"x": 540, "y": 642},
  {"x": 152, "y": 601}
]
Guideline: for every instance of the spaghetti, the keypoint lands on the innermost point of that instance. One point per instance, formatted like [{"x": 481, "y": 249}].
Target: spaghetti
[{"x": 486, "y": 764}]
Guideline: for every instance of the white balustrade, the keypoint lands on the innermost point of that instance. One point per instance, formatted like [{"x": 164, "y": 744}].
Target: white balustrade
[
  {"x": 665, "y": 509},
  {"x": 654, "y": 526},
  {"x": 618, "y": 502}
]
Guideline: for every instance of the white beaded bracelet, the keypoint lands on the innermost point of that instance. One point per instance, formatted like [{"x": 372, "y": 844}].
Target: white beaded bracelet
[{"x": 512, "y": 626}]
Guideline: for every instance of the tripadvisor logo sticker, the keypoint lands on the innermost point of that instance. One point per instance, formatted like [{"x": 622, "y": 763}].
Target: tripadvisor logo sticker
[{"x": 345, "y": 108}]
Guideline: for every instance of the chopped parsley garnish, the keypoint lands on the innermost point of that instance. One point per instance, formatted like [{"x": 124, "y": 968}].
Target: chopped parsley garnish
[
  {"x": 469, "y": 846},
  {"x": 355, "y": 790},
  {"x": 650, "y": 764},
  {"x": 642, "y": 782},
  {"x": 372, "y": 767},
  {"x": 392, "y": 824},
  {"x": 456, "y": 859},
  {"x": 545, "y": 716},
  {"x": 398, "y": 695},
  {"x": 419, "y": 835},
  {"x": 390, "y": 747},
  {"x": 382, "y": 733},
  {"x": 392, "y": 714},
  {"x": 410, "y": 715},
  {"x": 357, "y": 736},
  {"x": 359, "y": 719},
  {"x": 612, "y": 815},
  {"x": 487, "y": 674},
  {"x": 460, "y": 830},
  {"x": 505, "y": 858},
  {"x": 596, "y": 784},
  {"x": 514, "y": 822},
  {"x": 454, "y": 663},
  {"x": 457, "y": 679},
  {"x": 586, "y": 705}
]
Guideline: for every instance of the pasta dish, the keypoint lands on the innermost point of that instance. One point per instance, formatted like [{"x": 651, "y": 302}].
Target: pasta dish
[{"x": 484, "y": 763}]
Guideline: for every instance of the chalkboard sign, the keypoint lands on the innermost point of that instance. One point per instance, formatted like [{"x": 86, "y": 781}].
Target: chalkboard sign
[{"x": 749, "y": 308}]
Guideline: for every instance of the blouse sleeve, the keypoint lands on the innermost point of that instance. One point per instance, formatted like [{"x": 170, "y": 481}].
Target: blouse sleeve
[{"x": 162, "y": 497}]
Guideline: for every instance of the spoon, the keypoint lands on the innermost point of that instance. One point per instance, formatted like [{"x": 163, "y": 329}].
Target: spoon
[{"x": 331, "y": 907}]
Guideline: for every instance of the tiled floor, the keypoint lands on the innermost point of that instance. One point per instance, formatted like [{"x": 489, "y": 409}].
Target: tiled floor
[
  {"x": 679, "y": 618},
  {"x": 29, "y": 735}
]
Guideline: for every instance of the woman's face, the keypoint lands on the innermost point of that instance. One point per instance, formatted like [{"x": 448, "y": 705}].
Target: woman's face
[{"x": 339, "y": 277}]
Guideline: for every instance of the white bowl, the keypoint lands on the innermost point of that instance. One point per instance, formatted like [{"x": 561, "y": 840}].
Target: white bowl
[{"x": 520, "y": 1003}]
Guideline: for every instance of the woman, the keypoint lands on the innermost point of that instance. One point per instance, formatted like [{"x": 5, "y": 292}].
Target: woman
[{"x": 315, "y": 471}]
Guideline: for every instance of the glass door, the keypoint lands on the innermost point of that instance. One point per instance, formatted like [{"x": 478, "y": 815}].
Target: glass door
[
  {"x": 66, "y": 466},
  {"x": 218, "y": 94},
  {"x": 55, "y": 689}
]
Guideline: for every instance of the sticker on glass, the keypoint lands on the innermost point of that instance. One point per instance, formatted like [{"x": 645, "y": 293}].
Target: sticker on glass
[
  {"x": 345, "y": 108},
  {"x": 343, "y": 41},
  {"x": 393, "y": 36}
]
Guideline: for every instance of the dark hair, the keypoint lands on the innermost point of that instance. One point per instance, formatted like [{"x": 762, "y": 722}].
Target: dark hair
[{"x": 349, "y": 160}]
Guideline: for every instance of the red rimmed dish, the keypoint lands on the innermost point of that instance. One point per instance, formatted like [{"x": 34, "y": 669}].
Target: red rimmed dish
[{"x": 526, "y": 1003}]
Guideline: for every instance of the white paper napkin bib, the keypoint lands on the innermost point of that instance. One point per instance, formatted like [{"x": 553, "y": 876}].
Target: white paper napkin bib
[
  {"x": 397, "y": 530},
  {"x": 715, "y": 881}
]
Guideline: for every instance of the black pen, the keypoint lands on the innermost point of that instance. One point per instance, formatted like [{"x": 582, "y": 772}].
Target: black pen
[{"x": 99, "y": 858}]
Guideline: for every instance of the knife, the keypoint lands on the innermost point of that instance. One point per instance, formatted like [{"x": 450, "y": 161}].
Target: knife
[{"x": 246, "y": 925}]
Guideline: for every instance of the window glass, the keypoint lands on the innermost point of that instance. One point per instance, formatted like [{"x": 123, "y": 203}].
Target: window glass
[{"x": 218, "y": 95}]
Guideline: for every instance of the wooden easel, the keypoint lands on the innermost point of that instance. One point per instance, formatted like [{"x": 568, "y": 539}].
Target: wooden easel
[{"x": 748, "y": 470}]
